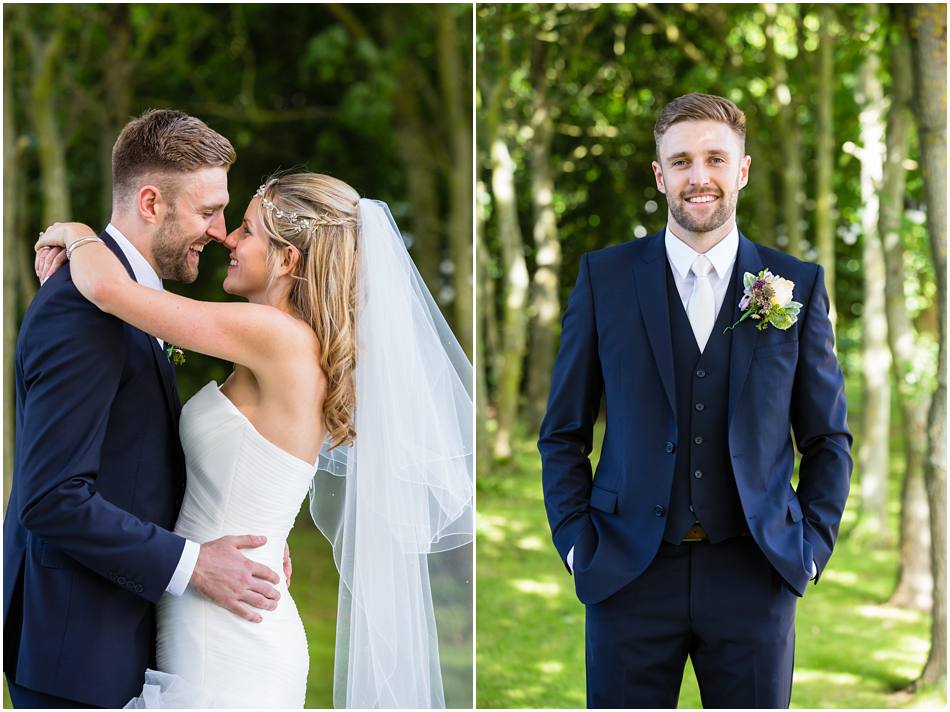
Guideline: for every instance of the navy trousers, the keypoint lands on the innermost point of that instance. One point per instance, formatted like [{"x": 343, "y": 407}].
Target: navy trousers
[{"x": 723, "y": 605}]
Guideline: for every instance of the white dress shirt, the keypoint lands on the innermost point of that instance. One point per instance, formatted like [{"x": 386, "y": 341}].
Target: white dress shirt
[
  {"x": 681, "y": 257},
  {"x": 145, "y": 275}
]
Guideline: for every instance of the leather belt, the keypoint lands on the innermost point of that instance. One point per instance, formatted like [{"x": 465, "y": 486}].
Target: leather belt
[{"x": 697, "y": 533}]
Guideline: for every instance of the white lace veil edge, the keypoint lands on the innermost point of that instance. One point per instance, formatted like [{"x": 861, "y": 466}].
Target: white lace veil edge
[{"x": 397, "y": 505}]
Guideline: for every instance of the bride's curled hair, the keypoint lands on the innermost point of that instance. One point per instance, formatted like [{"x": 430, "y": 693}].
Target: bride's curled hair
[{"x": 319, "y": 215}]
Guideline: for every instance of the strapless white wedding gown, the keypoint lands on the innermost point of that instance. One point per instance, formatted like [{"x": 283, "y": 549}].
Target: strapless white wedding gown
[{"x": 238, "y": 483}]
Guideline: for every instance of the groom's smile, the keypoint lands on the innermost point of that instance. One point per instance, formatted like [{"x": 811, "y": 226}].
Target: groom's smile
[
  {"x": 194, "y": 252},
  {"x": 701, "y": 198}
]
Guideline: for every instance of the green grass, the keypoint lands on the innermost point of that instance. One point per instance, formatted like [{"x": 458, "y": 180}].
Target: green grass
[{"x": 852, "y": 649}]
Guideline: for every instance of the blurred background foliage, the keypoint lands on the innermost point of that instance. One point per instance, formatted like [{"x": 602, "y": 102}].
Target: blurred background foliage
[
  {"x": 846, "y": 125},
  {"x": 377, "y": 95}
]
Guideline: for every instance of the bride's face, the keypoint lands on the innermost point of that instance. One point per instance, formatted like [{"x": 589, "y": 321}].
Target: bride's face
[{"x": 248, "y": 272}]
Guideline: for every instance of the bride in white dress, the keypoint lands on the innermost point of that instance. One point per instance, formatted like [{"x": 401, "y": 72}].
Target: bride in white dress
[{"x": 341, "y": 357}]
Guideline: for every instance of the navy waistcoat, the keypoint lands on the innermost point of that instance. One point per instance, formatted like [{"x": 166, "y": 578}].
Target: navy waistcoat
[{"x": 704, "y": 485}]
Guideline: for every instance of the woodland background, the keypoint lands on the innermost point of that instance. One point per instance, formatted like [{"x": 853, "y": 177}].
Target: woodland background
[
  {"x": 846, "y": 126},
  {"x": 379, "y": 96}
]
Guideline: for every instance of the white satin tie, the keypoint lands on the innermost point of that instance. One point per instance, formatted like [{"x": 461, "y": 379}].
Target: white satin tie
[{"x": 702, "y": 302}]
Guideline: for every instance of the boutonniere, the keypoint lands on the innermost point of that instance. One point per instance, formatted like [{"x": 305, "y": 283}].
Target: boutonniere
[
  {"x": 174, "y": 354},
  {"x": 768, "y": 298}
]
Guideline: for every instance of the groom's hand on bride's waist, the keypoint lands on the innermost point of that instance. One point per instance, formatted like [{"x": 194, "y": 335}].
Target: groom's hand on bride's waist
[{"x": 233, "y": 581}]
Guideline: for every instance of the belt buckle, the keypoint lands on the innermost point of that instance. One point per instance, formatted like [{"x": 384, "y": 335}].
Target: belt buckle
[{"x": 695, "y": 533}]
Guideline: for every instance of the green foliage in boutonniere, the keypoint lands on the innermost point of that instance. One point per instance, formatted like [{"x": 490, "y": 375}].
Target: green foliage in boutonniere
[
  {"x": 174, "y": 354},
  {"x": 768, "y": 298}
]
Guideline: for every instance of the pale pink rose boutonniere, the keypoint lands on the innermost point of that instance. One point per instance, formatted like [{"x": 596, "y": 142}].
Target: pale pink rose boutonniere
[{"x": 768, "y": 298}]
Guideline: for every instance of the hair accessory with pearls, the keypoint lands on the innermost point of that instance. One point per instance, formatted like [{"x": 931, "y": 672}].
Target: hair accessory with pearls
[{"x": 298, "y": 222}]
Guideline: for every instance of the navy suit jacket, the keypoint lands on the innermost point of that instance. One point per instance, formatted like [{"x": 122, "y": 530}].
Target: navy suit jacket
[
  {"x": 616, "y": 346},
  {"x": 97, "y": 484}
]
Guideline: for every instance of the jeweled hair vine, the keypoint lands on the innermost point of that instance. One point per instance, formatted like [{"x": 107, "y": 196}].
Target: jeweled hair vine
[{"x": 298, "y": 223}]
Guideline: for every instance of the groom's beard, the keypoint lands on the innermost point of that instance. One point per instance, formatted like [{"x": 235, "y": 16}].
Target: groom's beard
[
  {"x": 725, "y": 208},
  {"x": 170, "y": 251}
]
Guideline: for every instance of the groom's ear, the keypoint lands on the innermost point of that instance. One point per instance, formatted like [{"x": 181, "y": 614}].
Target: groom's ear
[
  {"x": 150, "y": 204},
  {"x": 658, "y": 174},
  {"x": 744, "y": 171}
]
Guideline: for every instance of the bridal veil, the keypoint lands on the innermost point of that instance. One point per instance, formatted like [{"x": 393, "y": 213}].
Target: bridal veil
[{"x": 397, "y": 505}]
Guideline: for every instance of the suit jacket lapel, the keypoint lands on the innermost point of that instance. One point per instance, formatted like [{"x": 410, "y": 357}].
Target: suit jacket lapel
[
  {"x": 161, "y": 361},
  {"x": 743, "y": 337},
  {"x": 650, "y": 282}
]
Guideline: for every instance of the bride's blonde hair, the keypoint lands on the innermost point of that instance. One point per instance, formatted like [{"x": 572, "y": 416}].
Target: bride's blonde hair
[{"x": 319, "y": 216}]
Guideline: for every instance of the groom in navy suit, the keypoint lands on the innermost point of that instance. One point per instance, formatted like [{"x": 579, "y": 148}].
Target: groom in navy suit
[
  {"x": 98, "y": 471},
  {"x": 690, "y": 540}
]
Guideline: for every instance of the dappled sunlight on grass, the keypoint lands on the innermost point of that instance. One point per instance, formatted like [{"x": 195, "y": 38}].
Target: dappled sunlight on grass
[
  {"x": 491, "y": 527},
  {"x": 531, "y": 543},
  {"x": 547, "y": 589},
  {"x": 825, "y": 677},
  {"x": 847, "y": 578},
  {"x": 890, "y": 613},
  {"x": 551, "y": 667}
]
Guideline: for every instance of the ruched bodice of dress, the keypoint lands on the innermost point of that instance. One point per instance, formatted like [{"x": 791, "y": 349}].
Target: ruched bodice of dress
[{"x": 238, "y": 483}]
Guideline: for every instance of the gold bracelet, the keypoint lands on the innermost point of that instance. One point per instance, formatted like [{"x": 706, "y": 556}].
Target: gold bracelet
[{"x": 79, "y": 243}]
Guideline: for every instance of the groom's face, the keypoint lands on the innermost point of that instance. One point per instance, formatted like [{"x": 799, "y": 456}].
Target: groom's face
[
  {"x": 701, "y": 170},
  {"x": 194, "y": 217}
]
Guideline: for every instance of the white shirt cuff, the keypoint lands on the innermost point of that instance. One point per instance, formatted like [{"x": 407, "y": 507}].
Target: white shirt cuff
[
  {"x": 186, "y": 567},
  {"x": 814, "y": 569},
  {"x": 570, "y": 559}
]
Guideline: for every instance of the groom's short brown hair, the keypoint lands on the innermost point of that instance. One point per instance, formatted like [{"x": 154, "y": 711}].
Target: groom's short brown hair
[
  {"x": 699, "y": 107},
  {"x": 162, "y": 144}
]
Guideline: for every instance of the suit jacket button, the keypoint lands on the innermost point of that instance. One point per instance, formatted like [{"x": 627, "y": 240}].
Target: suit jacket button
[
  {"x": 659, "y": 510},
  {"x": 698, "y": 474},
  {"x": 701, "y": 373},
  {"x": 670, "y": 447},
  {"x": 700, "y": 406}
]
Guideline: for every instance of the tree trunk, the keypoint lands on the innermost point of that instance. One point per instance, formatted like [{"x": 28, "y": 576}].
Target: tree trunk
[
  {"x": 825, "y": 156},
  {"x": 761, "y": 184},
  {"x": 118, "y": 87},
  {"x": 459, "y": 111},
  {"x": 515, "y": 279},
  {"x": 928, "y": 25},
  {"x": 789, "y": 138},
  {"x": 875, "y": 434},
  {"x": 484, "y": 307},
  {"x": 52, "y": 153},
  {"x": 546, "y": 308},
  {"x": 10, "y": 241},
  {"x": 913, "y": 587},
  {"x": 421, "y": 189}
]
